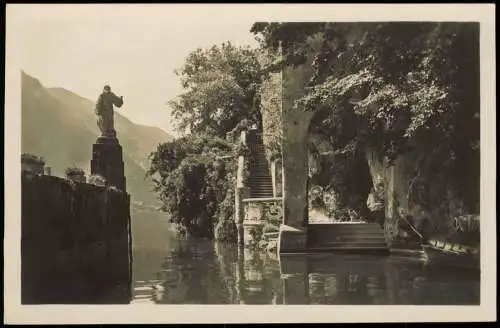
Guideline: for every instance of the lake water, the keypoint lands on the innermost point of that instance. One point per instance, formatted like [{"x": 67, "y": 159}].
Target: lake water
[{"x": 172, "y": 270}]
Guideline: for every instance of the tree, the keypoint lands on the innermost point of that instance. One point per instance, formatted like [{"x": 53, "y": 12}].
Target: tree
[
  {"x": 394, "y": 87},
  {"x": 221, "y": 96},
  {"x": 220, "y": 90},
  {"x": 195, "y": 185}
]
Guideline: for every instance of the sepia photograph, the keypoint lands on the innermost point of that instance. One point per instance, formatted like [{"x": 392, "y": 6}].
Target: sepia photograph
[{"x": 233, "y": 156}]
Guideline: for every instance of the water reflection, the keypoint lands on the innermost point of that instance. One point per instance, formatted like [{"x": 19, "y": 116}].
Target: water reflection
[
  {"x": 169, "y": 270},
  {"x": 202, "y": 272}
]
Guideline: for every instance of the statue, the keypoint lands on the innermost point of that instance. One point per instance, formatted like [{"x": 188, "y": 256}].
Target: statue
[{"x": 105, "y": 113}]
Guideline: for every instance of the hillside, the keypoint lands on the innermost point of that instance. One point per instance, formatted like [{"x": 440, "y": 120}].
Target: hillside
[{"x": 61, "y": 127}]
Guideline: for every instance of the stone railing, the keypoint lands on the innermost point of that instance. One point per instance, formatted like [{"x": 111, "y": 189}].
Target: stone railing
[
  {"x": 262, "y": 210},
  {"x": 251, "y": 214},
  {"x": 241, "y": 191},
  {"x": 259, "y": 212}
]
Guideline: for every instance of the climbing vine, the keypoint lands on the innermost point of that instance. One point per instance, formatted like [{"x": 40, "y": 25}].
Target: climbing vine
[{"x": 397, "y": 87}]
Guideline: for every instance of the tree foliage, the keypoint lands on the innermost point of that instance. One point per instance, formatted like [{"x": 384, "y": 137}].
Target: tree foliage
[
  {"x": 194, "y": 184},
  {"x": 393, "y": 87},
  {"x": 220, "y": 90}
]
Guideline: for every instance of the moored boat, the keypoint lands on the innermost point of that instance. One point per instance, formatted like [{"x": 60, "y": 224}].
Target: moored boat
[{"x": 439, "y": 252}]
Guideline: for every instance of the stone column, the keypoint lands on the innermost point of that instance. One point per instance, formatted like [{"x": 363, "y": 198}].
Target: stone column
[
  {"x": 295, "y": 125},
  {"x": 391, "y": 226},
  {"x": 273, "y": 176},
  {"x": 293, "y": 235},
  {"x": 240, "y": 194},
  {"x": 107, "y": 161}
]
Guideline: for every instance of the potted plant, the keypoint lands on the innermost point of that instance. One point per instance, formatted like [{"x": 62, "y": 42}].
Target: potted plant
[{"x": 75, "y": 174}]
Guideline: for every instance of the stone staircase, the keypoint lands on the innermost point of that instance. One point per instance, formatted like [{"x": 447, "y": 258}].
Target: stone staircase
[
  {"x": 339, "y": 237},
  {"x": 259, "y": 180}
]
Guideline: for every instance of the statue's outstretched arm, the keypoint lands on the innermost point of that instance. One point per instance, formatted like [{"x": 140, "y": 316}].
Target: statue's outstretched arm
[{"x": 118, "y": 101}]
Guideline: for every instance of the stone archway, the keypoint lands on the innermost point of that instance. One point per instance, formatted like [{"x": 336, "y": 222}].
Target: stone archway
[{"x": 295, "y": 127}]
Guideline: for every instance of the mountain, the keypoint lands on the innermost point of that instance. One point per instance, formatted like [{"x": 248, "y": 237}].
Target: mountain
[{"x": 61, "y": 127}]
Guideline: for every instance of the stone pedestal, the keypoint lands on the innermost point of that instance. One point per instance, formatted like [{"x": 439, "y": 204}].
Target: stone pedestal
[{"x": 107, "y": 161}]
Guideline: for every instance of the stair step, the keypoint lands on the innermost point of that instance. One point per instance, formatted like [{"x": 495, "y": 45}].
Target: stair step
[
  {"x": 336, "y": 227},
  {"x": 344, "y": 231},
  {"x": 341, "y": 239},
  {"x": 347, "y": 249},
  {"x": 352, "y": 243}
]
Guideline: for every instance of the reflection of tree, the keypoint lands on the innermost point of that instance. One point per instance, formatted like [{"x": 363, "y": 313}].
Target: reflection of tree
[
  {"x": 227, "y": 256},
  {"x": 192, "y": 275},
  {"x": 272, "y": 279}
]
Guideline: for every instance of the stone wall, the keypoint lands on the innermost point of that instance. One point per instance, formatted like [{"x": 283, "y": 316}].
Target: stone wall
[
  {"x": 76, "y": 243},
  {"x": 397, "y": 179},
  {"x": 271, "y": 102},
  {"x": 262, "y": 218}
]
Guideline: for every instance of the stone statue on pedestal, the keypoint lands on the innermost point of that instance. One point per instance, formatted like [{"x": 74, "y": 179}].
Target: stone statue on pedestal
[
  {"x": 107, "y": 154},
  {"x": 105, "y": 113}
]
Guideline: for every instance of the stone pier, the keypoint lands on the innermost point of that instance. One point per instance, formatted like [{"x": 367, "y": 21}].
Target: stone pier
[
  {"x": 293, "y": 232},
  {"x": 107, "y": 161},
  {"x": 295, "y": 124}
]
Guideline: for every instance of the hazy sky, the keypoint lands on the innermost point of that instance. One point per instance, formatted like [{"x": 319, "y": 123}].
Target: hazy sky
[{"x": 134, "y": 49}]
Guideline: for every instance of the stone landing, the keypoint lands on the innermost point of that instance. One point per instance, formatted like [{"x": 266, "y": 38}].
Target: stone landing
[
  {"x": 362, "y": 238},
  {"x": 107, "y": 161}
]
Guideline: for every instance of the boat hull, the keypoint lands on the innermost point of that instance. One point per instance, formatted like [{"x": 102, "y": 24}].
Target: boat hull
[{"x": 451, "y": 255}]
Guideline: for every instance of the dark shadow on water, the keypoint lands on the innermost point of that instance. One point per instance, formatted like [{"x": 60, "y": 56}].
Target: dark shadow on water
[
  {"x": 376, "y": 280},
  {"x": 196, "y": 271}
]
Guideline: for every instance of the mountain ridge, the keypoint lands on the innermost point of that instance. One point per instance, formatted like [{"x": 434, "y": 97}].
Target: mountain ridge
[{"x": 60, "y": 126}]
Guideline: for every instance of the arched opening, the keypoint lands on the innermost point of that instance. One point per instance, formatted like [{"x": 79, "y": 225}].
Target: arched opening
[{"x": 340, "y": 180}]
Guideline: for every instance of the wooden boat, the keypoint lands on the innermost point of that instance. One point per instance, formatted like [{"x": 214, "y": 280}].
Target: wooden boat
[
  {"x": 438, "y": 252},
  {"x": 445, "y": 253}
]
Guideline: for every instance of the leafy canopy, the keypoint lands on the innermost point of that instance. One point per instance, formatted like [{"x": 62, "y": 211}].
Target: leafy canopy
[
  {"x": 194, "y": 185},
  {"x": 220, "y": 90},
  {"x": 393, "y": 87}
]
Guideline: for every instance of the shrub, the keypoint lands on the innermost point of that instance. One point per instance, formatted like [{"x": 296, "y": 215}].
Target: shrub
[
  {"x": 97, "y": 180},
  {"x": 75, "y": 174}
]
